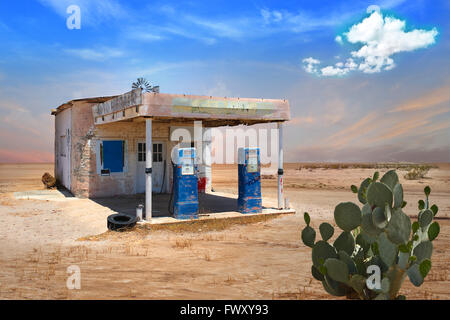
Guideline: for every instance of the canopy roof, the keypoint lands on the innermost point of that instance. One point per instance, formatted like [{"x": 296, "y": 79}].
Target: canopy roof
[{"x": 213, "y": 111}]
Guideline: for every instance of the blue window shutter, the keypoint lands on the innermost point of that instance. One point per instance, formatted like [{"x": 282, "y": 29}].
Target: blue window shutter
[{"x": 113, "y": 156}]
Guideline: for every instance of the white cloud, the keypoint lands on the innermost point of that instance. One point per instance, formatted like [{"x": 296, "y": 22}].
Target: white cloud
[
  {"x": 333, "y": 71},
  {"x": 99, "y": 54},
  {"x": 339, "y": 40},
  {"x": 271, "y": 16},
  {"x": 143, "y": 35},
  {"x": 277, "y": 16},
  {"x": 381, "y": 38},
  {"x": 227, "y": 29},
  {"x": 350, "y": 64},
  {"x": 310, "y": 64},
  {"x": 373, "y": 8}
]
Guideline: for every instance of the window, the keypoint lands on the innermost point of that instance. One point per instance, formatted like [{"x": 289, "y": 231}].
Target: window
[
  {"x": 141, "y": 151},
  {"x": 112, "y": 156},
  {"x": 157, "y": 152}
]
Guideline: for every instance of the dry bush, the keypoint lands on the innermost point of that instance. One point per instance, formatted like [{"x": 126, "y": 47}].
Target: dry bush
[
  {"x": 268, "y": 176},
  {"x": 79, "y": 252},
  {"x": 372, "y": 165},
  {"x": 207, "y": 256},
  {"x": 182, "y": 243},
  {"x": 417, "y": 172},
  {"x": 132, "y": 249},
  {"x": 230, "y": 280}
]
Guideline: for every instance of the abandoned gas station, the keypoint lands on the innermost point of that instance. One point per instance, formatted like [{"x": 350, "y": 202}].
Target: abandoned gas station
[{"x": 101, "y": 151}]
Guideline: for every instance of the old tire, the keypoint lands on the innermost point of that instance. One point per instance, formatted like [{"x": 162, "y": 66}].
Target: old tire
[{"x": 120, "y": 222}]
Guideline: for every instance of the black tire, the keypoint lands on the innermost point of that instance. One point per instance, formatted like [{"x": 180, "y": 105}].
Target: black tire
[{"x": 121, "y": 222}]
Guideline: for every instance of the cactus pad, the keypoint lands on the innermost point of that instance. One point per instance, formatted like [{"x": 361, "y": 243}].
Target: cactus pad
[
  {"x": 378, "y": 194},
  {"x": 321, "y": 251},
  {"x": 379, "y": 218},
  {"x": 362, "y": 190},
  {"x": 308, "y": 236},
  {"x": 344, "y": 257},
  {"x": 366, "y": 221},
  {"x": 398, "y": 195},
  {"x": 399, "y": 227},
  {"x": 347, "y": 216},
  {"x": 337, "y": 270},
  {"x": 425, "y": 218},
  {"x": 388, "y": 250},
  {"x": 316, "y": 273},
  {"x": 414, "y": 275},
  {"x": 390, "y": 179},
  {"x": 345, "y": 242},
  {"x": 326, "y": 231},
  {"x": 423, "y": 251},
  {"x": 433, "y": 230}
]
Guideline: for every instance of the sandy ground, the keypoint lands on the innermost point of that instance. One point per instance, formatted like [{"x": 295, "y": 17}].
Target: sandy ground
[{"x": 265, "y": 260}]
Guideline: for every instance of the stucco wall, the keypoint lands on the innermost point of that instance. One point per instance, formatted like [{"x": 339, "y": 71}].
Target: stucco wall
[{"x": 63, "y": 133}]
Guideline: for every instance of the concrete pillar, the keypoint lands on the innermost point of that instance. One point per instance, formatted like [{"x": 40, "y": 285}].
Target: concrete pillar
[
  {"x": 148, "y": 169},
  {"x": 280, "y": 165}
]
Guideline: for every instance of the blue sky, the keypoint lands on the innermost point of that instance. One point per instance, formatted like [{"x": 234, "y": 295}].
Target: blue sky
[{"x": 400, "y": 112}]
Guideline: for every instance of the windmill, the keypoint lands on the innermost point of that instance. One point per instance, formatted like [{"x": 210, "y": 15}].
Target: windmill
[{"x": 142, "y": 84}]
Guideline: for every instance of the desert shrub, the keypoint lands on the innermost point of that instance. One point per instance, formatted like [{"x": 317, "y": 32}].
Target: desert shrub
[
  {"x": 417, "y": 172},
  {"x": 378, "y": 246}
]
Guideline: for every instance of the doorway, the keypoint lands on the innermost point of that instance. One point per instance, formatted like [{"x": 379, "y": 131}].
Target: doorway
[{"x": 158, "y": 166}]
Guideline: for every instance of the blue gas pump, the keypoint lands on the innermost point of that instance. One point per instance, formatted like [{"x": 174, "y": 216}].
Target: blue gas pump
[
  {"x": 249, "y": 172},
  {"x": 185, "y": 194}
]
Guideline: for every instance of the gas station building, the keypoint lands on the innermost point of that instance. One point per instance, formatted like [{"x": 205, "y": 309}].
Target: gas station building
[{"x": 101, "y": 143}]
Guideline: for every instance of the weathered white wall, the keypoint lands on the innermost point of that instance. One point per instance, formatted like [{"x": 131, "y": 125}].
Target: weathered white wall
[
  {"x": 86, "y": 180},
  {"x": 63, "y": 133},
  {"x": 86, "y": 173}
]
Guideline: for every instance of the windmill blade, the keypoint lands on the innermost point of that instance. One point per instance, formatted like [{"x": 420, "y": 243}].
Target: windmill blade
[{"x": 143, "y": 84}]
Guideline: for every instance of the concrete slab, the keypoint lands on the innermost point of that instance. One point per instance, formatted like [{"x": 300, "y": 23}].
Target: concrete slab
[
  {"x": 47, "y": 194},
  {"x": 220, "y": 215},
  {"x": 212, "y": 205}
]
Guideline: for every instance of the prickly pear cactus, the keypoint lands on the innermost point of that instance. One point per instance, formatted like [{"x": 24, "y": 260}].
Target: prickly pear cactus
[{"x": 378, "y": 236}]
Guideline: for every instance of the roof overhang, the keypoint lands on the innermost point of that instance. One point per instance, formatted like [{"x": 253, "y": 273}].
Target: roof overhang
[
  {"x": 70, "y": 103},
  {"x": 213, "y": 111}
]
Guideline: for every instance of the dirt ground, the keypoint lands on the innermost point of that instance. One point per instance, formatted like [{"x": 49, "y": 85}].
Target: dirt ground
[{"x": 263, "y": 260}]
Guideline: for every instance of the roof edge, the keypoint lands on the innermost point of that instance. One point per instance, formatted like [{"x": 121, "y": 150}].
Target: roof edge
[{"x": 70, "y": 103}]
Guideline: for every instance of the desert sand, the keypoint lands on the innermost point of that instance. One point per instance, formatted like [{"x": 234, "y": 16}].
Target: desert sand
[{"x": 39, "y": 240}]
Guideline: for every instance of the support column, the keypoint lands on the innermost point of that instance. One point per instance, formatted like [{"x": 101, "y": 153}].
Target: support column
[
  {"x": 280, "y": 166},
  {"x": 148, "y": 169}
]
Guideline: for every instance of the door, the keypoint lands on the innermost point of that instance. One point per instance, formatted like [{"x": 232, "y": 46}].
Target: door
[
  {"x": 158, "y": 167},
  {"x": 64, "y": 159}
]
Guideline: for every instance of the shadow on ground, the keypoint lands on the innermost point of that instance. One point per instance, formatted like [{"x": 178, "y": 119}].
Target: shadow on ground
[{"x": 127, "y": 204}]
